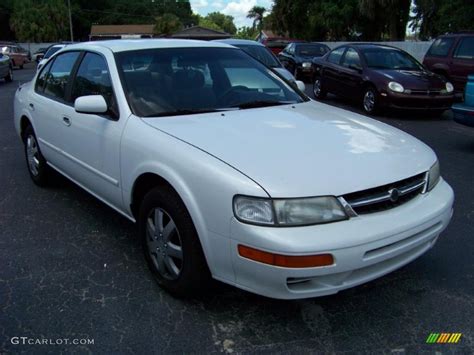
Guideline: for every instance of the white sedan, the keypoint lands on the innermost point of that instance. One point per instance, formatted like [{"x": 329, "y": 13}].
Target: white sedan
[{"x": 230, "y": 172}]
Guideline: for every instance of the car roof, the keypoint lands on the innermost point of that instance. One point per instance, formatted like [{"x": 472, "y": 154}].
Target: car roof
[
  {"x": 362, "y": 45},
  {"x": 121, "y": 45},
  {"x": 236, "y": 42}
]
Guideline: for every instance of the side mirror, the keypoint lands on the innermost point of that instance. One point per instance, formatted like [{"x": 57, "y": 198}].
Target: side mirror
[
  {"x": 300, "y": 85},
  {"x": 91, "y": 104}
]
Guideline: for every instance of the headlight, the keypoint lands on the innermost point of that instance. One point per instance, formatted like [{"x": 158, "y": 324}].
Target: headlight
[
  {"x": 397, "y": 87},
  {"x": 433, "y": 176},
  {"x": 288, "y": 212},
  {"x": 449, "y": 87},
  {"x": 306, "y": 65}
]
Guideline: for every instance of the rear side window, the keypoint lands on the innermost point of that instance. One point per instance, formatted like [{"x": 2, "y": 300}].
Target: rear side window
[
  {"x": 39, "y": 85},
  {"x": 441, "y": 47},
  {"x": 465, "y": 49},
  {"x": 351, "y": 59},
  {"x": 58, "y": 77},
  {"x": 335, "y": 56}
]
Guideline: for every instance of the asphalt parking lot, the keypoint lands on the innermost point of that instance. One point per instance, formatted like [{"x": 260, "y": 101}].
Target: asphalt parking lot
[{"x": 70, "y": 267}]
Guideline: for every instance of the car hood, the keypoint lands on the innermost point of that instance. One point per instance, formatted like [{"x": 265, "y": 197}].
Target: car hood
[
  {"x": 414, "y": 79},
  {"x": 285, "y": 73},
  {"x": 308, "y": 149}
]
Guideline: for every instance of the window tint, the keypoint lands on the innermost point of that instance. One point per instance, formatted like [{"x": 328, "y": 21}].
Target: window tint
[
  {"x": 335, "y": 55},
  {"x": 465, "y": 49},
  {"x": 312, "y": 50},
  {"x": 58, "y": 77},
  {"x": 351, "y": 59},
  {"x": 39, "y": 85},
  {"x": 261, "y": 53},
  {"x": 51, "y": 51},
  {"x": 440, "y": 47},
  {"x": 93, "y": 78}
]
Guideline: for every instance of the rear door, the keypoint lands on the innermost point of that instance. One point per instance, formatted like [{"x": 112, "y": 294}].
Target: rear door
[
  {"x": 463, "y": 62},
  {"x": 331, "y": 72}
]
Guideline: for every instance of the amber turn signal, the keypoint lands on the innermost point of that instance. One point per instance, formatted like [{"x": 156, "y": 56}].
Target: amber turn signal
[{"x": 285, "y": 260}]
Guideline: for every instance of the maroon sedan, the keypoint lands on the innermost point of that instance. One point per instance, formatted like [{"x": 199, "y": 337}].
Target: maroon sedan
[{"x": 380, "y": 76}]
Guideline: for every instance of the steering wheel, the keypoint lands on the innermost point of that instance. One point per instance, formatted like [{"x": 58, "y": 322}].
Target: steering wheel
[{"x": 226, "y": 95}]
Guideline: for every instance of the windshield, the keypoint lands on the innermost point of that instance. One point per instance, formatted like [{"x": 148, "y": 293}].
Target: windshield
[
  {"x": 51, "y": 51},
  {"x": 260, "y": 53},
  {"x": 177, "y": 81},
  {"x": 388, "y": 58},
  {"x": 311, "y": 50}
]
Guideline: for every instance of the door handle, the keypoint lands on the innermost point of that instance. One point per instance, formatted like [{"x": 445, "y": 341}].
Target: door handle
[{"x": 67, "y": 121}]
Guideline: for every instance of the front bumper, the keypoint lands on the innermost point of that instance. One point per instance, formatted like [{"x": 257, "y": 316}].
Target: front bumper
[
  {"x": 364, "y": 247},
  {"x": 416, "y": 102},
  {"x": 463, "y": 114}
]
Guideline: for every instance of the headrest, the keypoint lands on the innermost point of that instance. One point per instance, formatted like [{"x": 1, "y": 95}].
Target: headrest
[{"x": 187, "y": 79}]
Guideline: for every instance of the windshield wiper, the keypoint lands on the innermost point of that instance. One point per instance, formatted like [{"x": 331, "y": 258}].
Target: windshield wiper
[
  {"x": 262, "y": 103},
  {"x": 187, "y": 112}
]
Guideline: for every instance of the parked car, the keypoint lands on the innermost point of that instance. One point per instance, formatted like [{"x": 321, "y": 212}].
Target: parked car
[
  {"x": 380, "y": 76},
  {"x": 6, "y": 70},
  {"x": 277, "y": 44},
  {"x": 452, "y": 56},
  {"x": 39, "y": 54},
  {"x": 464, "y": 112},
  {"x": 18, "y": 55},
  {"x": 263, "y": 54},
  {"x": 298, "y": 57},
  {"x": 228, "y": 171},
  {"x": 51, "y": 50}
]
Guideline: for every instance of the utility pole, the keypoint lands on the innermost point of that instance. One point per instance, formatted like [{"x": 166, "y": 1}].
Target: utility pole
[{"x": 70, "y": 19}]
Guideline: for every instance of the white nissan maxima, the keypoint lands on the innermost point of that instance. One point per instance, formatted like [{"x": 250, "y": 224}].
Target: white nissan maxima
[{"x": 228, "y": 170}]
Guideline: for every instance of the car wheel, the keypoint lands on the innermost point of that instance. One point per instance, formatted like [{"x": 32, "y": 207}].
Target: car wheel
[
  {"x": 370, "y": 100},
  {"x": 36, "y": 163},
  {"x": 171, "y": 244},
  {"x": 318, "y": 90},
  {"x": 9, "y": 77}
]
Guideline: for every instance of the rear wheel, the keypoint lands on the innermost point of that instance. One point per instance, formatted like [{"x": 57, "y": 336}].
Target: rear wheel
[
  {"x": 171, "y": 244},
  {"x": 36, "y": 163},
  {"x": 370, "y": 100},
  {"x": 318, "y": 90}
]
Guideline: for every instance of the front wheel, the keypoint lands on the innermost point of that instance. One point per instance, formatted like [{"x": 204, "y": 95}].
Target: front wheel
[
  {"x": 9, "y": 77},
  {"x": 318, "y": 91},
  {"x": 370, "y": 101},
  {"x": 171, "y": 244},
  {"x": 36, "y": 163}
]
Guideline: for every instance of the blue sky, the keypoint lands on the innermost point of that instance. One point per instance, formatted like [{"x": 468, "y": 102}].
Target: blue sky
[{"x": 237, "y": 9}]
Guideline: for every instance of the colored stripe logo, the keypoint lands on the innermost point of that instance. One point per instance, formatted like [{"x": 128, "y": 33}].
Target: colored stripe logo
[{"x": 443, "y": 338}]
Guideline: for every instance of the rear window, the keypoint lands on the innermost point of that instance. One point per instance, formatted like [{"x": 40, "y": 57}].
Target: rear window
[
  {"x": 441, "y": 47},
  {"x": 465, "y": 49},
  {"x": 312, "y": 50}
]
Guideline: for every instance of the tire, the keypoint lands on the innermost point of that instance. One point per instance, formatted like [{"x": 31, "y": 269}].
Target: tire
[
  {"x": 36, "y": 163},
  {"x": 9, "y": 77},
  {"x": 174, "y": 255},
  {"x": 21, "y": 66},
  {"x": 370, "y": 101},
  {"x": 318, "y": 91}
]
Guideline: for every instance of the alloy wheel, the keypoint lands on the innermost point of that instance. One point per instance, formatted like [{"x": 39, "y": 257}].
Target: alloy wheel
[
  {"x": 317, "y": 87},
  {"x": 164, "y": 244},
  {"x": 32, "y": 154},
  {"x": 369, "y": 101}
]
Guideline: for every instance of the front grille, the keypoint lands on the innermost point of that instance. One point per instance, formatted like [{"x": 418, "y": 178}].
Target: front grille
[
  {"x": 387, "y": 196},
  {"x": 426, "y": 92}
]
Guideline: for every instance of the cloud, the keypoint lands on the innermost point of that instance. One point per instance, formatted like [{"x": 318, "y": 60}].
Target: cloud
[
  {"x": 198, "y": 4},
  {"x": 217, "y": 5}
]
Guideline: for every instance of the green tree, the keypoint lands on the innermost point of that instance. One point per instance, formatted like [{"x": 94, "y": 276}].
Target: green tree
[
  {"x": 256, "y": 13},
  {"x": 207, "y": 23},
  {"x": 167, "y": 24},
  {"x": 6, "y": 10},
  {"x": 40, "y": 20},
  {"x": 246, "y": 32},
  {"x": 434, "y": 17},
  {"x": 225, "y": 22}
]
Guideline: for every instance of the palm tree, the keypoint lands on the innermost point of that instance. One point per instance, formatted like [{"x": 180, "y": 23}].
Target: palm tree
[{"x": 256, "y": 13}]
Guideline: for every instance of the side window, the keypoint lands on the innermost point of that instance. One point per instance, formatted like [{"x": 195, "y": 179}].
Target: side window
[
  {"x": 39, "y": 85},
  {"x": 93, "y": 78},
  {"x": 441, "y": 47},
  {"x": 58, "y": 77},
  {"x": 465, "y": 49},
  {"x": 335, "y": 56},
  {"x": 351, "y": 59},
  {"x": 291, "y": 49}
]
